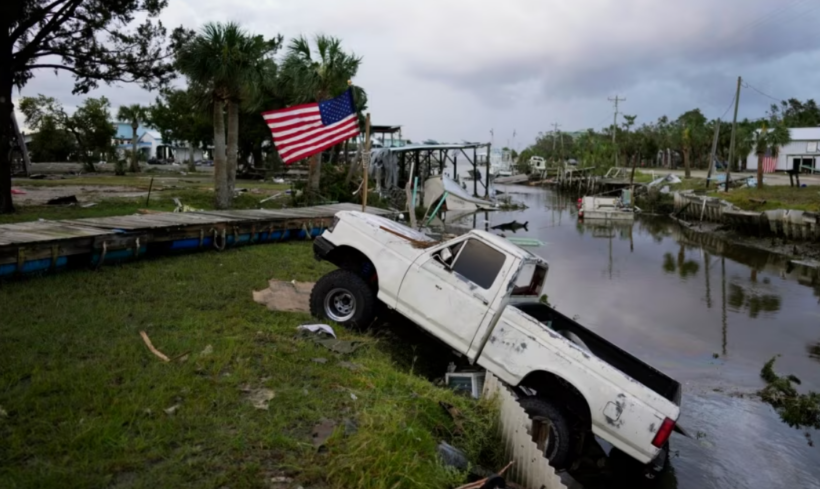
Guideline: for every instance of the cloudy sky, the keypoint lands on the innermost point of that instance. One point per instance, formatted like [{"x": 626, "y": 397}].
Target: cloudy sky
[{"x": 453, "y": 70}]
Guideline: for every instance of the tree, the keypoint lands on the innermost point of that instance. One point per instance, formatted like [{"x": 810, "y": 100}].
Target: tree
[
  {"x": 313, "y": 76},
  {"x": 90, "y": 39},
  {"x": 767, "y": 140},
  {"x": 226, "y": 66},
  {"x": 90, "y": 125},
  {"x": 135, "y": 114},
  {"x": 51, "y": 142},
  {"x": 180, "y": 119},
  {"x": 795, "y": 113}
]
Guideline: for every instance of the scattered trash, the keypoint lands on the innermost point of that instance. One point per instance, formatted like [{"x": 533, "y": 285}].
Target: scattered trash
[
  {"x": 68, "y": 200},
  {"x": 315, "y": 328},
  {"x": 351, "y": 427},
  {"x": 90, "y": 204},
  {"x": 665, "y": 189},
  {"x": 15, "y": 191},
  {"x": 183, "y": 208},
  {"x": 530, "y": 242},
  {"x": 206, "y": 351},
  {"x": 454, "y": 413},
  {"x": 281, "y": 480},
  {"x": 355, "y": 367},
  {"x": 354, "y": 397},
  {"x": 321, "y": 432},
  {"x": 171, "y": 410},
  {"x": 319, "y": 360},
  {"x": 153, "y": 350},
  {"x": 266, "y": 199},
  {"x": 259, "y": 398},
  {"x": 673, "y": 179},
  {"x": 278, "y": 180},
  {"x": 285, "y": 296},
  {"x": 452, "y": 456}
]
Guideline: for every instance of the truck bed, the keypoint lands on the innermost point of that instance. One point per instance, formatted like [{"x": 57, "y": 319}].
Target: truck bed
[{"x": 606, "y": 351}]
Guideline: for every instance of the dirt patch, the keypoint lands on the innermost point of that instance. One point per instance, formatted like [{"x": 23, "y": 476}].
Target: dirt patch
[
  {"x": 285, "y": 296},
  {"x": 84, "y": 194}
]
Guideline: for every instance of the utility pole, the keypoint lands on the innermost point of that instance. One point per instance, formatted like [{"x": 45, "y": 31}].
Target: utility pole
[
  {"x": 713, "y": 154},
  {"x": 615, "y": 124},
  {"x": 734, "y": 131}
]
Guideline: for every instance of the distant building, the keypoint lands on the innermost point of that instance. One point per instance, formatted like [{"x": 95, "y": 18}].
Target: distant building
[{"x": 803, "y": 150}]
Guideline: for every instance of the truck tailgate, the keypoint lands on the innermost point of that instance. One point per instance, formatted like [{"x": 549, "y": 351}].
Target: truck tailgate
[{"x": 641, "y": 372}]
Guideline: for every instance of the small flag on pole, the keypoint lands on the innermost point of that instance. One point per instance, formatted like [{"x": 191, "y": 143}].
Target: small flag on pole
[
  {"x": 304, "y": 130},
  {"x": 769, "y": 162}
]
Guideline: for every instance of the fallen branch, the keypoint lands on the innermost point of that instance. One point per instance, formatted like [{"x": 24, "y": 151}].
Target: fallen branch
[
  {"x": 478, "y": 484},
  {"x": 156, "y": 352},
  {"x": 415, "y": 242}
]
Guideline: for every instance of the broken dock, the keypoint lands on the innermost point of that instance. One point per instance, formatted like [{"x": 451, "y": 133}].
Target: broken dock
[{"x": 44, "y": 246}]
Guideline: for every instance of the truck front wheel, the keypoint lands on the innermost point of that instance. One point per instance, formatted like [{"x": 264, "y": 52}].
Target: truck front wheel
[
  {"x": 550, "y": 430},
  {"x": 343, "y": 297}
]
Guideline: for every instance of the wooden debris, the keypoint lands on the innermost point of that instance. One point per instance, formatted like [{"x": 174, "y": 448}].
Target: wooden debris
[
  {"x": 479, "y": 483},
  {"x": 150, "y": 346},
  {"x": 415, "y": 242}
]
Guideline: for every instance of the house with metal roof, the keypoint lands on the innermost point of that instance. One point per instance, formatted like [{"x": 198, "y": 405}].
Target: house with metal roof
[{"x": 803, "y": 151}]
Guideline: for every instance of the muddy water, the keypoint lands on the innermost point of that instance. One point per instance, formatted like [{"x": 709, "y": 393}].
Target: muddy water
[{"x": 705, "y": 313}]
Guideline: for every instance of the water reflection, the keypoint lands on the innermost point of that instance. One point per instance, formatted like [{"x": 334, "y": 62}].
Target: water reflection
[
  {"x": 685, "y": 268},
  {"x": 705, "y": 312}
]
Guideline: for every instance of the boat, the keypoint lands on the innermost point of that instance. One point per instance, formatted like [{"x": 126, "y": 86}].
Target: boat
[
  {"x": 598, "y": 207},
  {"x": 455, "y": 197}
]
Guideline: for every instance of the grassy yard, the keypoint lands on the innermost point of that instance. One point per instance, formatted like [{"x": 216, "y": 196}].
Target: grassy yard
[
  {"x": 776, "y": 197},
  {"x": 83, "y": 403}
]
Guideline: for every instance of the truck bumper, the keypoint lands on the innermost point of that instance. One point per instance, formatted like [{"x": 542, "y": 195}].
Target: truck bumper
[
  {"x": 658, "y": 463},
  {"x": 321, "y": 247}
]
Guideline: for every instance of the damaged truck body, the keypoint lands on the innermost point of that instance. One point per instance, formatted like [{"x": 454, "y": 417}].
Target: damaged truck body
[{"x": 479, "y": 294}]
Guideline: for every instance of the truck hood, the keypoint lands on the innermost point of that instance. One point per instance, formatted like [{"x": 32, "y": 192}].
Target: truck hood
[{"x": 389, "y": 233}]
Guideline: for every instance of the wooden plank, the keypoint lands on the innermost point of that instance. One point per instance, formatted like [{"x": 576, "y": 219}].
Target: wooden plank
[{"x": 44, "y": 231}]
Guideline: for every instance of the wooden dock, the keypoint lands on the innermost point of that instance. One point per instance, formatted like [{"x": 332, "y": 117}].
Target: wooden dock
[{"x": 43, "y": 246}]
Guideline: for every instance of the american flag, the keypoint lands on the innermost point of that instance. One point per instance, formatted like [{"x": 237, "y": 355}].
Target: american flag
[
  {"x": 769, "y": 162},
  {"x": 304, "y": 130}
]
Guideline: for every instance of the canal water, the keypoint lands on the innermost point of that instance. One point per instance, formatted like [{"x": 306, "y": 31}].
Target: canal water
[{"x": 706, "y": 313}]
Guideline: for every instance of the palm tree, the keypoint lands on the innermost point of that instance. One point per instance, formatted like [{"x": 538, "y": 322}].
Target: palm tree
[
  {"x": 768, "y": 140},
  {"x": 309, "y": 75},
  {"x": 226, "y": 66},
  {"x": 135, "y": 114}
]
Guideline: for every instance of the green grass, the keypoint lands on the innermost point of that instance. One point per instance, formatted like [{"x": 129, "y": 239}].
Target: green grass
[
  {"x": 776, "y": 197},
  {"x": 83, "y": 400}
]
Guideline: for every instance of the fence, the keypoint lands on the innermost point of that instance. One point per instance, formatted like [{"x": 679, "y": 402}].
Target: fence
[{"x": 530, "y": 470}]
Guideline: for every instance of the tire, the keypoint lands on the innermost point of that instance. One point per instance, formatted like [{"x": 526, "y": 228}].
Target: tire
[
  {"x": 345, "y": 298},
  {"x": 558, "y": 448}
]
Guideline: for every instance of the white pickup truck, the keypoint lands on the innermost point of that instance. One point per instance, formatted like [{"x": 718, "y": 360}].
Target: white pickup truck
[{"x": 479, "y": 293}]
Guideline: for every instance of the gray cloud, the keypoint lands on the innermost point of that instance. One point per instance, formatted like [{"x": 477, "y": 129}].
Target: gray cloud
[{"x": 454, "y": 69}]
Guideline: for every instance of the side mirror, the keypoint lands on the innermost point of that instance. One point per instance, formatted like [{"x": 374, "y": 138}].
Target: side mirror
[{"x": 446, "y": 255}]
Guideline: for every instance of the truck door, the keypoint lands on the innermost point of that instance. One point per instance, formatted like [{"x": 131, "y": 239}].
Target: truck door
[{"x": 451, "y": 297}]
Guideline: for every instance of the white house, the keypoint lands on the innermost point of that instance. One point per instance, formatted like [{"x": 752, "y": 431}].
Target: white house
[
  {"x": 803, "y": 150},
  {"x": 149, "y": 142}
]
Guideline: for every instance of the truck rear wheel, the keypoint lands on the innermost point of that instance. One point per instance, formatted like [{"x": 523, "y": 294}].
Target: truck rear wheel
[
  {"x": 343, "y": 297},
  {"x": 550, "y": 430}
]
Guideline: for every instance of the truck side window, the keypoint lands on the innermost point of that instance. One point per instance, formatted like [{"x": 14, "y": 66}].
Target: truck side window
[{"x": 479, "y": 263}]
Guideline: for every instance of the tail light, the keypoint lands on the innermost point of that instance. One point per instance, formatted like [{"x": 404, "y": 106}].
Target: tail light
[
  {"x": 333, "y": 225},
  {"x": 663, "y": 433}
]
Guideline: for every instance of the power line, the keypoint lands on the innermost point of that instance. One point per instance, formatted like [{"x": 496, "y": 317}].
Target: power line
[
  {"x": 768, "y": 17},
  {"x": 746, "y": 85},
  {"x": 728, "y": 108}
]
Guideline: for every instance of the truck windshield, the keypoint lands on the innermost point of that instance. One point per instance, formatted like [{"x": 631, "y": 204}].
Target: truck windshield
[{"x": 529, "y": 280}]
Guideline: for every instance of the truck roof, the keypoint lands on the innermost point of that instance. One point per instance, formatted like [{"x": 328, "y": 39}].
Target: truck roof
[{"x": 507, "y": 246}]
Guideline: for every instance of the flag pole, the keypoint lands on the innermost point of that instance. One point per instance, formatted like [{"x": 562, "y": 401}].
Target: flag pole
[{"x": 365, "y": 161}]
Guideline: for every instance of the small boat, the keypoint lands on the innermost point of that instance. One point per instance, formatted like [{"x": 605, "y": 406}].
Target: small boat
[
  {"x": 607, "y": 208},
  {"x": 456, "y": 198}
]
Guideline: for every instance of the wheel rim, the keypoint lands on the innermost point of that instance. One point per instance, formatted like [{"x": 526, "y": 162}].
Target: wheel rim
[
  {"x": 544, "y": 436},
  {"x": 340, "y": 305}
]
